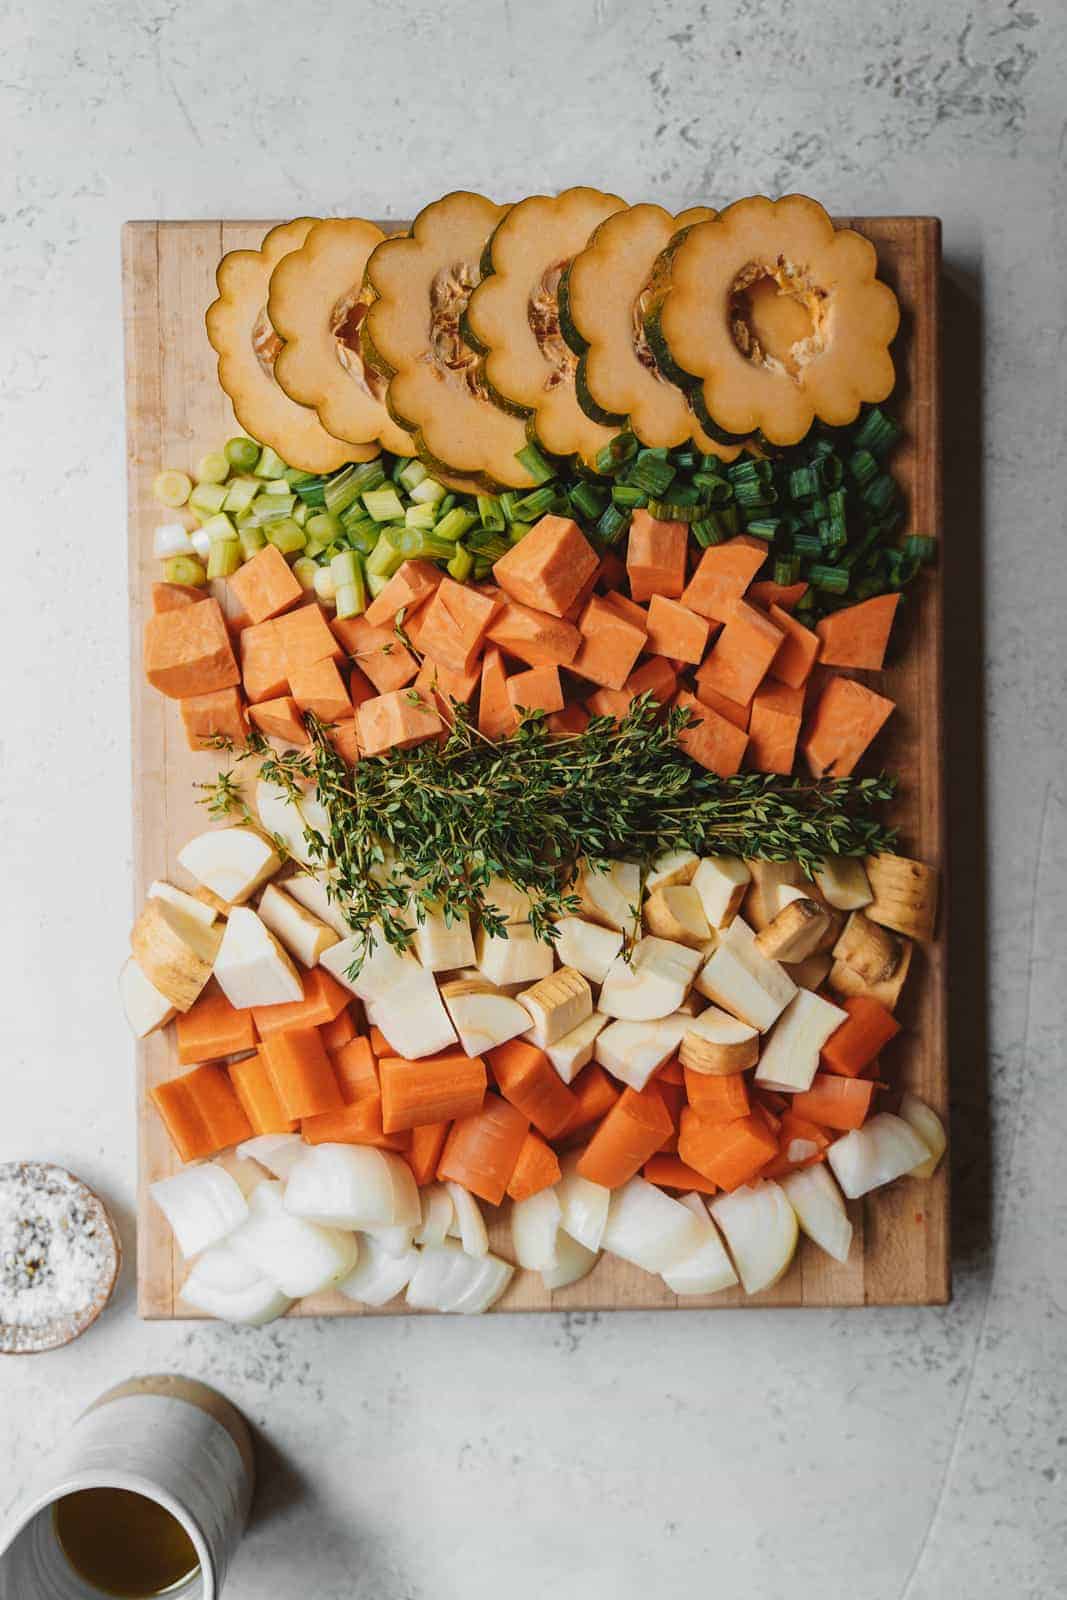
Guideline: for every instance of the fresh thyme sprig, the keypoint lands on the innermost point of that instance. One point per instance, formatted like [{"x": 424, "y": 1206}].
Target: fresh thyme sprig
[{"x": 435, "y": 824}]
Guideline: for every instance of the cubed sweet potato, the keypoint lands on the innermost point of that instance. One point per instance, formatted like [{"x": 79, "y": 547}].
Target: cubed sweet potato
[
  {"x": 739, "y": 659},
  {"x": 709, "y": 739},
  {"x": 211, "y": 717},
  {"x": 187, "y": 651},
  {"x": 409, "y": 586},
  {"x": 305, "y": 637},
  {"x": 675, "y": 631},
  {"x": 279, "y": 719},
  {"x": 378, "y": 653},
  {"x": 533, "y": 636},
  {"x": 265, "y": 586},
  {"x": 454, "y": 625},
  {"x": 549, "y": 567},
  {"x": 722, "y": 576},
  {"x": 655, "y": 556},
  {"x": 611, "y": 644},
  {"x": 318, "y": 687},
  {"x": 395, "y": 721},
  {"x": 538, "y": 689},
  {"x": 496, "y": 714},
  {"x": 262, "y": 663}
]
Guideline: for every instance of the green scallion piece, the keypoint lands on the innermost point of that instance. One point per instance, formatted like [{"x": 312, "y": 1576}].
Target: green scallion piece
[
  {"x": 685, "y": 460},
  {"x": 922, "y": 546},
  {"x": 862, "y": 466},
  {"x": 270, "y": 463},
  {"x": 312, "y": 491},
  {"x": 830, "y": 470},
  {"x": 384, "y": 505},
  {"x": 454, "y": 524},
  {"x": 803, "y": 483},
  {"x": 627, "y": 496},
  {"x": 417, "y": 516},
  {"x": 268, "y": 508},
  {"x": 536, "y": 465},
  {"x": 186, "y": 570},
  {"x": 428, "y": 492},
  {"x": 445, "y": 505},
  {"x": 242, "y": 454},
  {"x": 807, "y": 544},
  {"x": 213, "y": 468},
  {"x": 461, "y": 565},
  {"x": 305, "y": 571},
  {"x": 491, "y": 512},
  {"x": 252, "y": 540},
  {"x": 622, "y": 449},
  {"x": 286, "y": 535},
  {"x": 345, "y": 567},
  {"x": 878, "y": 494},
  {"x": 588, "y": 500},
  {"x": 240, "y": 492},
  {"x": 707, "y": 531},
  {"x": 324, "y": 526},
  {"x": 834, "y": 580},
  {"x": 534, "y": 505},
  {"x": 764, "y": 528},
  {"x": 651, "y": 473},
  {"x": 612, "y": 524},
  {"x": 673, "y": 511},
  {"x": 416, "y": 545},
  {"x": 387, "y": 556},
  {"x": 786, "y": 570},
  {"x": 729, "y": 518},
  {"x": 877, "y": 433},
  {"x": 508, "y": 501},
  {"x": 362, "y": 536},
  {"x": 517, "y": 531},
  {"x": 220, "y": 527},
  {"x": 351, "y": 598},
  {"x": 208, "y": 498},
  {"x": 714, "y": 491}
]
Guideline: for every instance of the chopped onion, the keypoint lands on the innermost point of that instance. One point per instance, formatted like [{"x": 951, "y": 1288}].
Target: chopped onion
[
  {"x": 573, "y": 1261},
  {"x": 379, "y": 1274},
  {"x": 931, "y": 1130},
  {"x": 650, "y": 1229},
  {"x": 446, "y": 1278},
  {"x": 299, "y": 1256},
  {"x": 583, "y": 1205},
  {"x": 468, "y": 1217},
  {"x": 223, "y": 1284},
  {"x": 437, "y": 1215},
  {"x": 200, "y": 540},
  {"x": 883, "y": 1149},
  {"x": 171, "y": 539},
  {"x": 278, "y": 1152},
  {"x": 352, "y": 1186},
  {"x": 484, "y": 1290},
  {"x": 396, "y": 1241},
  {"x": 761, "y": 1230},
  {"x": 708, "y": 1269},
  {"x": 820, "y": 1210},
  {"x": 435, "y": 1264},
  {"x": 535, "y": 1230},
  {"x": 247, "y": 1174},
  {"x": 202, "y": 1204}
]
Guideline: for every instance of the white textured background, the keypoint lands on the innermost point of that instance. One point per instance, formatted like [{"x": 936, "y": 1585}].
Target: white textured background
[{"x": 900, "y": 1455}]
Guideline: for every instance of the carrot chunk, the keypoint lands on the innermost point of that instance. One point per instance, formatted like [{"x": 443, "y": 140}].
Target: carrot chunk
[
  {"x": 301, "y": 1072},
  {"x": 835, "y": 1102},
  {"x": 671, "y": 1172},
  {"x": 324, "y": 998},
  {"x": 454, "y": 625},
  {"x": 800, "y": 1144},
  {"x": 318, "y": 687},
  {"x": 717, "y": 1099},
  {"x": 729, "y": 1153},
  {"x": 537, "y": 1168},
  {"x": 255, "y": 1090},
  {"x": 355, "y": 1067},
  {"x": 722, "y": 576},
  {"x": 187, "y": 651},
  {"x": 595, "y": 1092},
  {"x": 611, "y": 644},
  {"x": 339, "y": 1030},
  {"x": 265, "y": 586},
  {"x": 527, "y": 1078},
  {"x": 182, "y": 1119},
  {"x": 212, "y": 1028},
  {"x": 637, "y": 1125},
  {"x": 359, "y": 1123},
  {"x": 855, "y": 1043},
  {"x": 482, "y": 1150},
  {"x": 396, "y": 721},
  {"x": 262, "y": 664},
  {"x": 496, "y": 714},
  {"x": 409, "y": 586},
  {"x": 280, "y": 719},
  {"x": 675, "y": 631},
  {"x": 201, "y": 1112},
  {"x": 533, "y": 636},
  {"x": 797, "y": 652},
  {"x": 379, "y": 1043},
  {"x": 857, "y": 636},
  {"x": 210, "y": 717},
  {"x": 709, "y": 739},
  {"x": 537, "y": 689},
  {"x": 845, "y": 721},
  {"x": 378, "y": 653},
  {"x": 655, "y": 556},
  {"x": 739, "y": 659},
  {"x": 433, "y": 1089},
  {"x": 774, "y": 727},
  {"x": 424, "y": 1150},
  {"x": 549, "y": 567}
]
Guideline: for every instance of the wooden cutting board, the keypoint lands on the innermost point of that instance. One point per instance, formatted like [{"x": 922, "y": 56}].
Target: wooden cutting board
[{"x": 176, "y": 411}]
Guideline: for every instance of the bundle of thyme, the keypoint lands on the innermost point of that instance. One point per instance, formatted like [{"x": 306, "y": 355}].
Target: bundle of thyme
[{"x": 433, "y": 825}]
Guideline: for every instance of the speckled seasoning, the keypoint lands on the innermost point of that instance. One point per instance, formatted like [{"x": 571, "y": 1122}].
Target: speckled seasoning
[{"x": 58, "y": 1256}]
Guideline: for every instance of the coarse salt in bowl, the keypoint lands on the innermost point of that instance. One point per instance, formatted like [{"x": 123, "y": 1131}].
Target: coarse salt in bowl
[{"x": 59, "y": 1257}]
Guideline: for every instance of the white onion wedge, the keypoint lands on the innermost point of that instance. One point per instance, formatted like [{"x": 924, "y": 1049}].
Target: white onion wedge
[
  {"x": 203, "y": 1204},
  {"x": 468, "y": 1218},
  {"x": 223, "y": 1284},
  {"x": 278, "y": 1152},
  {"x": 395, "y": 1241},
  {"x": 583, "y": 1205},
  {"x": 299, "y": 1256},
  {"x": 247, "y": 1174},
  {"x": 820, "y": 1210},
  {"x": 573, "y": 1262},
  {"x": 535, "y": 1230},
  {"x": 379, "y": 1275},
  {"x": 352, "y": 1186},
  {"x": 484, "y": 1288},
  {"x": 171, "y": 539},
  {"x": 886, "y": 1147},
  {"x": 437, "y": 1214},
  {"x": 708, "y": 1269},
  {"x": 649, "y": 1229},
  {"x": 447, "y": 1279},
  {"x": 761, "y": 1230},
  {"x": 931, "y": 1130}
]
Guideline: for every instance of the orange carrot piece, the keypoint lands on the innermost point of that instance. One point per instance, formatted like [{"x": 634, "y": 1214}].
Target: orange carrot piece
[
  {"x": 854, "y": 1045},
  {"x": 188, "y": 651},
  {"x": 305, "y": 637},
  {"x": 323, "y": 999},
  {"x": 434, "y": 1089},
  {"x": 255, "y": 1090},
  {"x": 377, "y": 652},
  {"x": 339, "y": 1030},
  {"x": 454, "y": 624},
  {"x": 537, "y": 1168},
  {"x": 595, "y": 1092},
  {"x": 709, "y": 739},
  {"x": 527, "y": 1078},
  {"x": 637, "y": 1125},
  {"x": 396, "y": 721},
  {"x": 835, "y": 1102},
  {"x": 406, "y": 590},
  {"x": 356, "y": 1070},
  {"x": 676, "y": 631},
  {"x": 188, "y": 1132},
  {"x": 265, "y": 586},
  {"x": 729, "y": 1153},
  {"x": 655, "y": 556},
  {"x": 317, "y": 686},
  {"x": 611, "y": 644},
  {"x": 379, "y": 1043},
  {"x": 537, "y": 689},
  {"x": 424, "y": 1151},
  {"x": 733, "y": 712},
  {"x": 210, "y": 717},
  {"x": 173, "y": 596},
  {"x": 279, "y": 719},
  {"x": 857, "y": 636},
  {"x": 717, "y": 1099},
  {"x": 535, "y": 637},
  {"x": 671, "y": 1071},
  {"x": 774, "y": 727},
  {"x": 844, "y": 723},
  {"x": 359, "y": 1123},
  {"x": 793, "y": 1135},
  {"x": 668, "y": 1171},
  {"x": 262, "y": 664},
  {"x": 496, "y": 714},
  {"x": 301, "y": 1072},
  {"x": 572, "y": 719},
  {"x": 722, "y": 576},
  {"x": 213, "y": 1028},
  {"x": 673, "y": 1095},
  {"x": 768, "y": 594},
  {"x": 656, "y": 677},
  {"x": 213, "y": 1095},
  {"x": 482, "y": 1150},
  {"x": 738, "y": 661},
  {"x": 797, "y": 652},
  {"x": 549, "y": 567}
]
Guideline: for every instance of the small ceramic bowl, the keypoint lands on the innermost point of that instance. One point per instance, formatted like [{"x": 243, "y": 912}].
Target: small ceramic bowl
[{"x": 29, "y": 1338}]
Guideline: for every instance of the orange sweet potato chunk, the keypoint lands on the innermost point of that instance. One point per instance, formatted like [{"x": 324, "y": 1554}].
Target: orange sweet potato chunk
[
  {"x": 857, "y": 636},
  {"x": 614, "y": 703},
  {"x": 845, "y": 721},
  {"x": 210, "y": 717},
  {"x": 538, "y": 689},
  {"x": 797, "y": 652},
  {"x": 304, "y": 637},
  {"x": 611, "y": 644},
  {"x": 768, "y": 594},
  {"x": 655, "y": 556},
  {"x": 675, "y": 631},
  {"x": 709, "y": 739},
  {"x": 774, "y": 727},
  {"x": 173, "y": 596},
  {"x": 496, "y": 714},
  {"x": 395, "y": 721},
  {"x": 549, "y": 567},
  {"x": 279, "y": 719},
  {"x": 722, "y": 576},
  {"x": 655, "y": 676},
  {"x": 318, "y": 687},
  {"x": 738, "y": 661},
  {"x": 572, "y": 719},
  {"x": 454, "y": 625},
  {"x": 378, "y": 653},
  {"x": 265, "y": 586},
  {"x": 737, "y": 714},
  {"x": 262, "y": 663},
  {"x": 187, "y": 651},
  {"x": 440, "y": 687},
  {"x": 344, "y": 737},
  {"x": 533, "y": 636},
  {"x": 409, "y": 586}
]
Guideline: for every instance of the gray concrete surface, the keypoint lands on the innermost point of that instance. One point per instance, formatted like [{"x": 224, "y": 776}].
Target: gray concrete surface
[{"x": 893, "y": 1455}]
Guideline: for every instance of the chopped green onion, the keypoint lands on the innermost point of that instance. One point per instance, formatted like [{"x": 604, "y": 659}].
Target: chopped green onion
[
  {"x": 172, "y": 488},
  {"x": 862, "y": 466},
  {"x": 207, "y": 498},
  {"x": 428, "y": 491},
  {"x": 186, "y": 570},
  {"x": 626, "y": 495},
  {"x": 411, "y": 475},
  {"x": 763, "y": 528},
  {"x": 786, "y": 570},
  {"x": 415, "y": 545},
  {"x": 877, "y": 433},
  {"x": 418, "y": 516},
  {"x": 674, "y": 510},
  {"x": 268, "y": 508},
  {"x": 212, "y": 468},
  {"x": 714, "y": 491},
  {"x": 707, "y": 531},
  {"x": 534, "y": 505},
  {"x": 508, "y": 501},
  {"x": 384, "y": 505},
  {"x": 345, "y": 567},
  {"x": 323, "y": 526},
  {"x": 651, "y": 473},
  {"x": 902, "y": 567},
  {"x": 517, "y": 531},
  {"x": 242, "y": 453},
  {"x": 325, "y": 587},
  {"x": 454, "y": 524},
  {"x": 922, "y": 547},
  {"x": 240, "y": 492},
  {"x": 305, "y": 572},
  {"x": 219, "y": 527},
  {"x": 803, "y": 483},
  {"x": 286, "y": 535},
  {"x": 588, "y": 500},
  {"x": 807, "y": 544},
  {"x": 878, "y": 494},
  {"x": 270, "y": 463},
  {"x": 536, "y": 465},
  {"x": 277, "y": 486},
  {"x": 446, "y": 504},
  {"x": 300, "y": 515},
  {"x": 298, "y": 479},
  {"x": 834, "y": 580},
  {"x": 362, "y": 535},
  {"x": 312, "y": 491},
  {"x": 830, "y": 470},
  {"x": 352, "y": 599},
  {"x": 685, "y": 460},
  {"x": 376, "y": 585},
  {"x": 252, "y": 540},
  {"x": 729, "y": 519},
  {"x": 461, "y": 564},
  {"x": 612, "y": 524},
  {"x": 491, "y": 512},
  {"x": 386, "y": 557},
  {"x": 622, "y": 449}
]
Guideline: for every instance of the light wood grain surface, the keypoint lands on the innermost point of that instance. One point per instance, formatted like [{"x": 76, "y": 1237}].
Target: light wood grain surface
[{"x": 176, "y": 411}]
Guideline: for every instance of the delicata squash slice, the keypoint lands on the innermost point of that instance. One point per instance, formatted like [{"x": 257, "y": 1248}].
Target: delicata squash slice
[
  {"x": 317, "y": 304},
  {"x": 513, "y": 316},
  {"x": 604, "y": 296},
  {"x": 774, "y": 317},
  {"x": 241, "y": 333},
  {"x": 420, "y": 286}
]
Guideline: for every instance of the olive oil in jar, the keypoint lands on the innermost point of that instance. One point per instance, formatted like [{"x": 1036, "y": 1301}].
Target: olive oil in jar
[{"x": 123, "y": 1543}]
